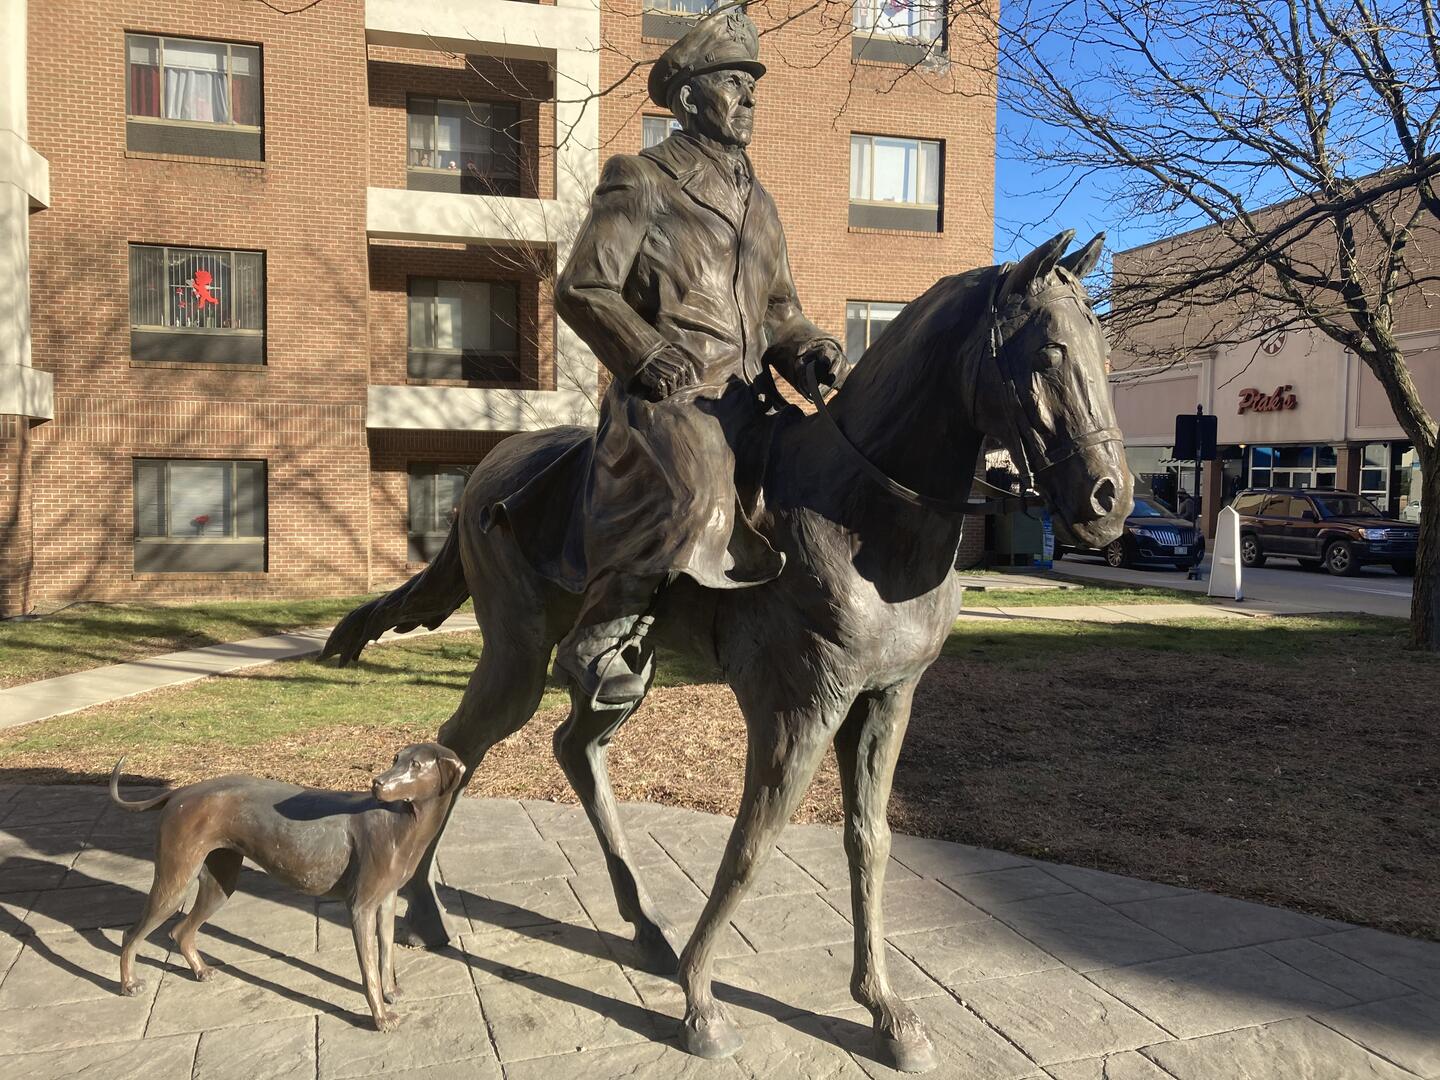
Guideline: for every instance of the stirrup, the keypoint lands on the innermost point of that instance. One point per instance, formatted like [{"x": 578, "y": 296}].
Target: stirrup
[{"x": 632, "y": 695}]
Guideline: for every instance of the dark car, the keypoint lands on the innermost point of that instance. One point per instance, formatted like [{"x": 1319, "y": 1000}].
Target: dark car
[
  {"x": 1153, "y": 536},
  {"x": 1337, "y": 530}
]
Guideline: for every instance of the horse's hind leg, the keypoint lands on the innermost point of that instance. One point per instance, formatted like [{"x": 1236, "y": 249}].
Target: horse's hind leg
[
  {"x": 580, "y": 746},
  {"x": 503, "y": 693},
  {"x": 866, "y": 748}
]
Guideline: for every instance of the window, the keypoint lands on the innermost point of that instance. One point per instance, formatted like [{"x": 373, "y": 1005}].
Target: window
[
  {"x": 902, "y": 31},
  {"x": 470, "y": 147},
  {"x": 199, "y": 516},
  {"x": 895, "y": 183},
  {"x": 656, "y": 129},
  {"x": 1312, "y": 466},
  {"x": 1375, "y": 472},
  {"x": 1249, "y": 504},
  {"x": 864, "y": 322},
  {"x": 671, "y": 18},
  {"x": 185, "y": 96},
  {"x": 199, "y": 304},
  {"x": 435, "y": 492},
  {"x": 463, "y": 330}
]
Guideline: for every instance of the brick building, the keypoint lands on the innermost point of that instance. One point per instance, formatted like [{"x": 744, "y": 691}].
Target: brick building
[{"x": 272, "y": 282}]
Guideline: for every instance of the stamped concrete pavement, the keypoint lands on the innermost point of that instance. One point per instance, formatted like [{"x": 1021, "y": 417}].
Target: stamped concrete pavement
[{"x": 1024, "y": 970}]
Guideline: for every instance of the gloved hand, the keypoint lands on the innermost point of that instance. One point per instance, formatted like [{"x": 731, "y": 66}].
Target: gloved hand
[
  {"x": 664, "y": 373},
  {"x": 829, "y": 362}
]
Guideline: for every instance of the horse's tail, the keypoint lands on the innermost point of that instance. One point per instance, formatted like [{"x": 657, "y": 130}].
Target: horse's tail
[
  {"x": 133, "y": 807},
  {"x": 427, "y": 599}
]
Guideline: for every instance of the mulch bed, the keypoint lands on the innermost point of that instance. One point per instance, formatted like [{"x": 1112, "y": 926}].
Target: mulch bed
[{"x": 1311, "y": 782}]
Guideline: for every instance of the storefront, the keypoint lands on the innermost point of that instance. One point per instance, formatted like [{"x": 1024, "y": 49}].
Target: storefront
[{"x": 1293, "y": 410}]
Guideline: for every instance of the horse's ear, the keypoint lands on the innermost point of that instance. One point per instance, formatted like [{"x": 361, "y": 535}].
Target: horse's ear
[
  {"x": 1033, "y": 266},
  {"x": 1081, "y": 261}
]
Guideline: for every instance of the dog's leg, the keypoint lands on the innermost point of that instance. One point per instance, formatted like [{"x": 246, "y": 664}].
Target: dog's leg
[
  {"x": 173, "y": 873},
  {"x": 388, "y": 986},
  {"x": 217, "y": 883},
  {"x": 363, "y": 924}
]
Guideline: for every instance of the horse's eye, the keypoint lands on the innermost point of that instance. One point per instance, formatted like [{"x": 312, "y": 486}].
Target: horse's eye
[{"x": 1051, "y": 356}]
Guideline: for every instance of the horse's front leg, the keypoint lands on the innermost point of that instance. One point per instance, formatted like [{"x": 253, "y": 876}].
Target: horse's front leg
[
  {"x": 866, "y": 748},
  {"x": 784, "y": 750}
]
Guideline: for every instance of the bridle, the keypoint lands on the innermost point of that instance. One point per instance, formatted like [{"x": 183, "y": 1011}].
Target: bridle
[{"x": 1030, "y": 465}]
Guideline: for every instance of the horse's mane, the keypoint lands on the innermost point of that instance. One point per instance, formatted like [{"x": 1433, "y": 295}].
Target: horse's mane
[{"x": 932, "y": 329}]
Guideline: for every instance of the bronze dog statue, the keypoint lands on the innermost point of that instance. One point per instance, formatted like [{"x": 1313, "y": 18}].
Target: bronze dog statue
[{"x": 348, "y": 845}]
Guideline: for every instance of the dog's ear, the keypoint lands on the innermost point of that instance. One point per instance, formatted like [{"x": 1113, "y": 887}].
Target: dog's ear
[{"x": 452, "y": 771}]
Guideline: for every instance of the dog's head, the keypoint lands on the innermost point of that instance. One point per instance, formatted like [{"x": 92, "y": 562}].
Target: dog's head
[{"x": 420, "y": 772}]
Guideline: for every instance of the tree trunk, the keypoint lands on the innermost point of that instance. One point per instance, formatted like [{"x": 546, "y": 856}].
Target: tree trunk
[{"x": 1425, "y": 607}]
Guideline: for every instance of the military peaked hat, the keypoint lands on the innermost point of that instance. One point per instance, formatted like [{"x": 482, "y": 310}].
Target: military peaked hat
[{"x": 723, "y": 40}]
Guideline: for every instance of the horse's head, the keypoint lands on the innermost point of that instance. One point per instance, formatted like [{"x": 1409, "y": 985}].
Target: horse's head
[{"x": 1047, "y": 390}]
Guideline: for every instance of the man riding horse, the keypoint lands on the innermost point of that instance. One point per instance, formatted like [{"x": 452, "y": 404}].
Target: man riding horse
[{"x": 680, "y": 283}]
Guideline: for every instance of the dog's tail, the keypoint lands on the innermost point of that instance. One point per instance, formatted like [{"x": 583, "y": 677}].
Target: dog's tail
[
  {"x": 427, "y": 599},
  {"x": 133, "y": 807}
]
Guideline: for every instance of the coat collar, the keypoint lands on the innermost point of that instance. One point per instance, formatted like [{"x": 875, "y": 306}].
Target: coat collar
[{"x": 700, "y": 172}]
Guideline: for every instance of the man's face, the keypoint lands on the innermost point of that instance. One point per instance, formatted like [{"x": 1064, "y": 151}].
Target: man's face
[{"x": 724, "y": 104}]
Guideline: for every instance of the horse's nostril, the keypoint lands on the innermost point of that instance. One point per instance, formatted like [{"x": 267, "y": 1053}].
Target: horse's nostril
[{"x": 1102, "y": 499}]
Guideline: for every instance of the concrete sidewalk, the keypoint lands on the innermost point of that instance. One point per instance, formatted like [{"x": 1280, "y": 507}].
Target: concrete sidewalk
[{"x": 1023, "y": 970}]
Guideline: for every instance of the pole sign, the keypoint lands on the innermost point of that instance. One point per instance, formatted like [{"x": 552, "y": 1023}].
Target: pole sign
[
  {"x": 1225, "y": 568},
  {"x": 1047, "y": 542},
  {"x": 1196, "y": 436}
]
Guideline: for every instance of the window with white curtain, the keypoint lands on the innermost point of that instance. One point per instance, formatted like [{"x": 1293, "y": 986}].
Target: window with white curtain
[
  {"x": 921, "y": 21},
  {"x": 884, "y": 168},
  {"x": 866, "y": 320},
  {"x": 656, "y": 129},
  {"x": 471, "y": 147},
  {"x": 204, "y": 82},
  {"x": 464, "y": 330}
]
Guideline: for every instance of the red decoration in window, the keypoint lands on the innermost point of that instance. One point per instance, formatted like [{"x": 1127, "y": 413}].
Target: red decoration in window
[{"x": 201, "y": 284}]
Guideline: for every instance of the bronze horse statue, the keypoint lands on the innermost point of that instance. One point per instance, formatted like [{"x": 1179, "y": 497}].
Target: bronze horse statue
[{"x": 865, "y": 498}]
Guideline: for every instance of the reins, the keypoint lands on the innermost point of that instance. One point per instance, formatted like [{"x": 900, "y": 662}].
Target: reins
[
  {"x": 1029, "y": 469},
  {"x": 869, "y": 468}
]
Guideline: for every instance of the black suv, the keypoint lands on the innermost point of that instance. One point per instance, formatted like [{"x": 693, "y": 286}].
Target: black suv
[{"x": 1336, "y": 530}]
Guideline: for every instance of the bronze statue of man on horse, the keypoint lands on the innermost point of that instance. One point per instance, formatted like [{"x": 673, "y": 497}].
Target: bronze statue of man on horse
[
  {"x": 811, "y": 556},
  {"x": 680, "y": 283}
]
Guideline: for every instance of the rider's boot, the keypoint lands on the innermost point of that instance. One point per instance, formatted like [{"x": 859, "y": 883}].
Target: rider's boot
[{"x": 597, "y": 653}]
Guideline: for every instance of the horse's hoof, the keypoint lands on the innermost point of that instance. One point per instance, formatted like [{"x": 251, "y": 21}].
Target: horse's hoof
[
  {"x": 653, "y": 952},
  {"x": 908, "y": 1053},
  {"x": 424, "y": 934},
  {"x": 712, "y": 1038}
]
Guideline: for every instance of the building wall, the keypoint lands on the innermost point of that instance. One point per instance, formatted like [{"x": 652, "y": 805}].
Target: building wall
[
  {"x": 335, "y": 312},
  {"x": 304, "y": 206},
  {"x": 391, "y": 455},
  {"x": 802, "y": 153}
]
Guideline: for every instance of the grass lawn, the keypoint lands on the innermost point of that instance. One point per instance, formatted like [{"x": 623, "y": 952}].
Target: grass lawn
[
  {"x": 89, "y": 635},
  {"x": 1291, "y": 761}
]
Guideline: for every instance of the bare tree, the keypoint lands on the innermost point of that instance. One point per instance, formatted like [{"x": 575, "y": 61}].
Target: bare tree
[{"x": 1299, "y": 136}]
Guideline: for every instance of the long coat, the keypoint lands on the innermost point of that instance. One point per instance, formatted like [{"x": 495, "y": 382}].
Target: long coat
[{"x": 672, "y": 254}]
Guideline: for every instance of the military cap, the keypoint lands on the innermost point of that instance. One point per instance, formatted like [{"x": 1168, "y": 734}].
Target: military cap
[{"x": 723, "y": 40}]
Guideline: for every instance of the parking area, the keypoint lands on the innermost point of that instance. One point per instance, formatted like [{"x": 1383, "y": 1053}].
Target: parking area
[{"x": 1376, "y": 590}]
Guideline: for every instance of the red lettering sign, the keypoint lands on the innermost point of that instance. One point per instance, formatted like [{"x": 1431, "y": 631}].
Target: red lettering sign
[{"x": 1252, "y": 400}]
